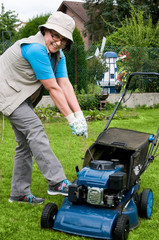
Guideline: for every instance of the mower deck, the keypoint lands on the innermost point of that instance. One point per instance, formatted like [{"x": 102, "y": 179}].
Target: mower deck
[{"x": 91, "y": 221}]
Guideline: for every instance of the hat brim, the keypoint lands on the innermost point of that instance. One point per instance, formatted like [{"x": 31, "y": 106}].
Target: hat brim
[{"x": 62, "y": 31}]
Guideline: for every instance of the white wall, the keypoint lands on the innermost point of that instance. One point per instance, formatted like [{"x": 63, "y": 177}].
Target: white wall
[
  {"x": 45, "y": 101},
  {"x": 148, "y": 99},
  {"x": 136, "y": 99}
]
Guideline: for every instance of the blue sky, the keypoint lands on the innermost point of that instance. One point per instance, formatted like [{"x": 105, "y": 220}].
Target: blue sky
[{"x": 27, "y": 9}]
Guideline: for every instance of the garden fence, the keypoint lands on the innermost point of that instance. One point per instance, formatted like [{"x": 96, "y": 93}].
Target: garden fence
[{"x": 138, "y": 59}]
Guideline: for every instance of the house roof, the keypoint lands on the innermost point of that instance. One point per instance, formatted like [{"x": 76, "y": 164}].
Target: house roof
[{"x": 76, "y": 7}]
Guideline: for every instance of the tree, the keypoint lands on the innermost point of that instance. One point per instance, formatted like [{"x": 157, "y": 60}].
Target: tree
[
  {"x": 8, "y": 22},
  {"x": 31, "y": 28},
  {"x": 140, "y": 39},
  {"x": 76, "y": 63},
  {"x": 122, "y": 10},
  {"x": 150, "y": 7},
  {"x": 104, "y": 15},
  {"x": 96, "y": 68},
  {"x": 96, "y": 10},
  {"x": 135, "y": 32}
]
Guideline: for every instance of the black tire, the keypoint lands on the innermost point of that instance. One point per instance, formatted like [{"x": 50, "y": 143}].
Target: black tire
[
  {"x": 146, "y": 203},
  {"x": 122, "y": 228},
  {"x": 48, "y": 215}
]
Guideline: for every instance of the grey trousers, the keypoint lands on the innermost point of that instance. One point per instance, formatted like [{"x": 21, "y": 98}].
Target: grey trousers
[{"x": 32, "y": 141}]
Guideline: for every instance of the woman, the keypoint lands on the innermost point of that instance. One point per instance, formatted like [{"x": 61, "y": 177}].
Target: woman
[{"x": 27, "y": 67}]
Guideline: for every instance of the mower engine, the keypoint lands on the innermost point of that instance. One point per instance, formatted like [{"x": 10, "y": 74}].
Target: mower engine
[{"x": 102, "y": 183}]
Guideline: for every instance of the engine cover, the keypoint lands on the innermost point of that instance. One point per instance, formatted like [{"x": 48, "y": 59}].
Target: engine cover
[{"x": 98, "y": 176}]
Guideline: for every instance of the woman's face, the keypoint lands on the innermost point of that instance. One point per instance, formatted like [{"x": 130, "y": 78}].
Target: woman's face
[{"x": 54, "y": 41}]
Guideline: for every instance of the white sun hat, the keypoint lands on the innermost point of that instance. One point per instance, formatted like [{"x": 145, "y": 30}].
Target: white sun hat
[{"x": 61, "y": 23}]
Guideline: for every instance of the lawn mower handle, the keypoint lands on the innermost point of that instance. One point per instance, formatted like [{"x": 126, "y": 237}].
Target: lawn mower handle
[
  {"x": 125, "y": 91},
  {"x": 151, "y": 155},
  {"x": 137, "y": 74}
]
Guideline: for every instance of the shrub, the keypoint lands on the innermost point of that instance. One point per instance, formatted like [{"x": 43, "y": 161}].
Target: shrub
[{"x": 89, "y": 101}]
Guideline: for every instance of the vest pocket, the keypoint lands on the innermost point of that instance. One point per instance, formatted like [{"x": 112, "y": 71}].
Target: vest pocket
[
  {"x": 8, "y": 89},
  {"x": 13, "y": 85},
  {"x": 9, "y": 94}
]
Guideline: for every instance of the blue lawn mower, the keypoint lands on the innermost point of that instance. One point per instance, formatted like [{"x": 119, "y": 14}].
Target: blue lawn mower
[{"x": 105, "y": 200}]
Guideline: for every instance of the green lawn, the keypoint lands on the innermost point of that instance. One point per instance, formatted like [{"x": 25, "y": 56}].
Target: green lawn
[{"x": 22, "y": 221}]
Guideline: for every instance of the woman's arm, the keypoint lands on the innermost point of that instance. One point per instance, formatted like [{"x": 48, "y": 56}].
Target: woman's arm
[
  {"x": 57, "y": 95},
  {"x": 69, "y": 93}
]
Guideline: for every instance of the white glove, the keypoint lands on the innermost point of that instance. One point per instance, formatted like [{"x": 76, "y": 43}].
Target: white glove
[
  {"x": 75, "y": 125},
  {"x": 79, "y": 115},
  {"x": 78, "y": 123}
]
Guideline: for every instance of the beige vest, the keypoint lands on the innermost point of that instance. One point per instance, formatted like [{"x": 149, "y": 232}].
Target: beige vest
[{"x": 17, "y": 78}]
